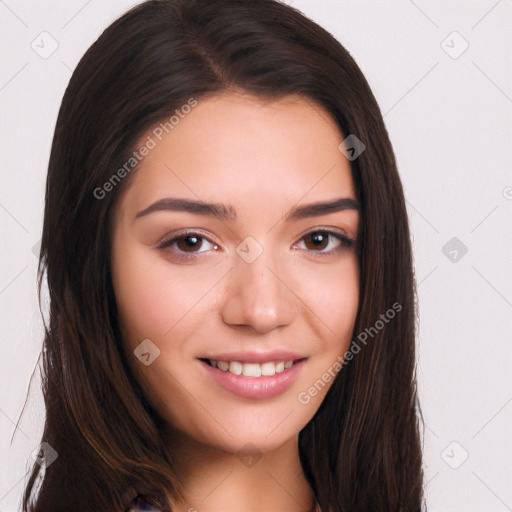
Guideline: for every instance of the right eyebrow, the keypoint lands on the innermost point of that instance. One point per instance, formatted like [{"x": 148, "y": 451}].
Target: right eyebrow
[{"x": 187, "y": 205}]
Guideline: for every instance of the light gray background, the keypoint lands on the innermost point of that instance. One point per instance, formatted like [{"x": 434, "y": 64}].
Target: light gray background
[{"x": 450, "y": 123}]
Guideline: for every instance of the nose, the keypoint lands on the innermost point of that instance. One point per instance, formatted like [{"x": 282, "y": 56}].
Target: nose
[{"x": 258, "y": 295}]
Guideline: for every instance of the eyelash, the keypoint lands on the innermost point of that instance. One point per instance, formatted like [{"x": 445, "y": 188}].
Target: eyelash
[{"x": 346, "y": 243}]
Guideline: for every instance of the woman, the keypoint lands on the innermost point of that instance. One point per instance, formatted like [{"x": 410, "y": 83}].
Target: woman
[{"x": 232, "y": 300}]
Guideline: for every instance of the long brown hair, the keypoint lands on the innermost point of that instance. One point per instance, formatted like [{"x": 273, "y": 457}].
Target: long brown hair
[{"x": 361, "y": 451}]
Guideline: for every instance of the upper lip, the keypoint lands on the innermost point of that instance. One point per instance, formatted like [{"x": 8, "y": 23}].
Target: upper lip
[{"x": 255, "y": 357}]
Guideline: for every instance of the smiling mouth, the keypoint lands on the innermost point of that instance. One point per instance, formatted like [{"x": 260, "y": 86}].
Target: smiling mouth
[{"x": 252, "y": 369}]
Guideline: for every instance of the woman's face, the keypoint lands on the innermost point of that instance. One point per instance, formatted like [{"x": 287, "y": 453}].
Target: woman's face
[{"x": 261, "y": 278}]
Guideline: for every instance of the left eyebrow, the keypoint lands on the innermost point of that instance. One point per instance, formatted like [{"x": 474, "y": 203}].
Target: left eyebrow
[
  {"x": 322, "y": 208},
  {"x": 228, "y": 212}
]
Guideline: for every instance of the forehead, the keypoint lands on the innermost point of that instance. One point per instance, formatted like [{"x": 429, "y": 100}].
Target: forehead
[{"x": 243, "y": 150}]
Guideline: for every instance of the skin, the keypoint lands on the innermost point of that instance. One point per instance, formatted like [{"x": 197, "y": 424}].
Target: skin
[{"x": 263, "y": 158}]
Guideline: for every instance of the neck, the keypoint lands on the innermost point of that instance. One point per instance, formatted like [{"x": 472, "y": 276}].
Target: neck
[{"x": 215, "y": 480}]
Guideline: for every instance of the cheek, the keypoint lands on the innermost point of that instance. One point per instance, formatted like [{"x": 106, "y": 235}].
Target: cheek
[
  {"x": 332, "y": 293},
  {"x": 141, "y": 299},
  {"x": 333, "y": 296},
  {"x": 154, "y": 296}
]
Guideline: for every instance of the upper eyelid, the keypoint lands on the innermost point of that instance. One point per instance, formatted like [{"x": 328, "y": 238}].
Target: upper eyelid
[
  {"x": 185, "y": 232},
  {"x": 334, "y": 230}
]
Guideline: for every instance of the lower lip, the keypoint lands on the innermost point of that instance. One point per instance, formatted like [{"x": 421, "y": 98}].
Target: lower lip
[{"x": 255, "y": 387}]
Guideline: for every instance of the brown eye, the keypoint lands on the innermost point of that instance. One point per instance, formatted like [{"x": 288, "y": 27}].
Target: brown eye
[
  {"x": 325, "y": 242},
  {"x": 319, "y": 240},
  {"x": 187, "y": 243}
]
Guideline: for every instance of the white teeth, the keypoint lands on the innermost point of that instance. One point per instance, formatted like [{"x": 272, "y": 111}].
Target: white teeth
[
  {"x": 251, "y": 369},
  {"x": 268, "y": 369},
  {"x": 222, "y": 365},
  {"x": 235, "y": 367}
]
